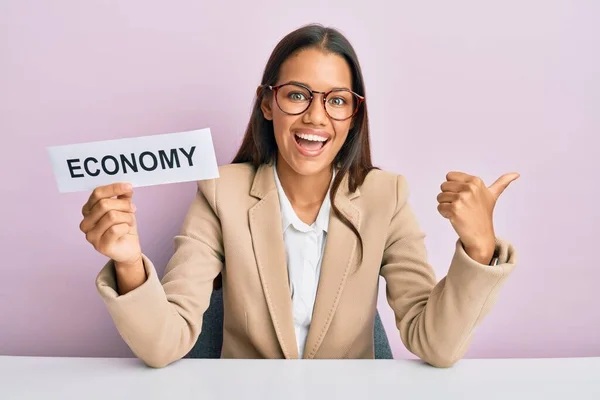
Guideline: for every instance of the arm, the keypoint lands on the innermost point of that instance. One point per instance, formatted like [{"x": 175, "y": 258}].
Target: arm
[
  {"x": 436, "y": 321},
  {"x": 161, "y": 321}
]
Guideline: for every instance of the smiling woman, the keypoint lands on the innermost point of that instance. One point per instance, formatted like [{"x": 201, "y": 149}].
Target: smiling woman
[{"x": 300, "y": 226}]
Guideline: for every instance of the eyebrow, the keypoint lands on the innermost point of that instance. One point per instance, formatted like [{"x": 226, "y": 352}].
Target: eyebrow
[{"x": 308, "y": 86}]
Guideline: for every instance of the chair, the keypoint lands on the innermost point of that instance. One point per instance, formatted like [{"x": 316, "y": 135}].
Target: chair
[{"x": 210, "y": 340}]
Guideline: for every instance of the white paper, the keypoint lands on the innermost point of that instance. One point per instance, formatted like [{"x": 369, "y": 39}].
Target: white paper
[{"x": 141, "y": 161}]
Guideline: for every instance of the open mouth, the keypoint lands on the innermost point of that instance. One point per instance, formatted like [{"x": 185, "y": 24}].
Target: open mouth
[{"x": 310, "y": 142}]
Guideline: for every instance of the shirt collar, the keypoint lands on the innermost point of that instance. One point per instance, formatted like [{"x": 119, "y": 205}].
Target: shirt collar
[{"x": 288, "y": 215}]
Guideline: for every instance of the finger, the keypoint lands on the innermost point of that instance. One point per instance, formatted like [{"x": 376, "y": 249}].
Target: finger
[
  {"x": 446, "y": 210},
  {"x": 102, "y": 207},
  {"x": 106, "y": 192},
  {"x": 113, "y": 234},
  {"x": 109, "y": 219},
  {"x": 459, "y": 177},
  {"x": 126, "y": 195},
  {"x": 454, "y": 186},
  {"x": 502, "y": 183},
  {"x": 447, "y": 197}
]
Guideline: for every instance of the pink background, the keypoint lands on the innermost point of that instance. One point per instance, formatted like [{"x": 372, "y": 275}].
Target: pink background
[{"x": 469, "y": 85}]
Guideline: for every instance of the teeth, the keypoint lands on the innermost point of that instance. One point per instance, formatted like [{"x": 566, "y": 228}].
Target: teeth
[{"x": 313, "y": 138}]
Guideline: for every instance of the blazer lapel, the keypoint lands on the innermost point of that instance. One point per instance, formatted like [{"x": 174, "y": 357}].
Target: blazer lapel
[
  {"x": 269, "y": 250},
  {"x": 339, "y": 256}
]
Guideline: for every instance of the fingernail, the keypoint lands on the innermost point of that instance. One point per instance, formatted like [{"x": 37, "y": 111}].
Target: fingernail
[
  {"x": 127, "y": 186},
  {"x": 133, "y": 207}
]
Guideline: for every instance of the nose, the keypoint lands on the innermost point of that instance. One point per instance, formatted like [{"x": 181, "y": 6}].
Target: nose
[{"x": 315, "y": 114}]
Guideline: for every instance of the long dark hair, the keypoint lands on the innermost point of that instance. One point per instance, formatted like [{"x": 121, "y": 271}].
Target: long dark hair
[{"x": 354, "y": 158}]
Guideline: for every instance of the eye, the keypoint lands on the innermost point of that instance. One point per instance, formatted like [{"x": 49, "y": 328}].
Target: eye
[
  {"x": 297, "y": 96},
  {"x": 337, "y": 101}
]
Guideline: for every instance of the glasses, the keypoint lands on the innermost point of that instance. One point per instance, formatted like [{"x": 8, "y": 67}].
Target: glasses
[{"x": 294, "y": 99}]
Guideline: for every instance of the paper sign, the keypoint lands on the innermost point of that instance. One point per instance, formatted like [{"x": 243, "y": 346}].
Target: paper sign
[{"x": 141, "y": 161}]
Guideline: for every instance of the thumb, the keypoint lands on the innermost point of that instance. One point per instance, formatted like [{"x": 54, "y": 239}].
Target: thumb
[{"x": 502, "y": 183}]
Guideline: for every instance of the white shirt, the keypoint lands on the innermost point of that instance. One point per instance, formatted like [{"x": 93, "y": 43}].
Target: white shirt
[{"x": 304, "y": 246}]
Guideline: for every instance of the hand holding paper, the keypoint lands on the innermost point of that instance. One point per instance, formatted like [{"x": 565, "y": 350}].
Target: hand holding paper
[
  {"x": 111, "y": 169},
  {"x": 109, "y": 223}
]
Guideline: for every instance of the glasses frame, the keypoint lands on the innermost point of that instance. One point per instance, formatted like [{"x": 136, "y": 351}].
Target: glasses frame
[{"x": 275, "y": 89}]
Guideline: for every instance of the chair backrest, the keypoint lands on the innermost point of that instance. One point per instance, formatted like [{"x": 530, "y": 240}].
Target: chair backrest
[{"x": 210, "y": 341}]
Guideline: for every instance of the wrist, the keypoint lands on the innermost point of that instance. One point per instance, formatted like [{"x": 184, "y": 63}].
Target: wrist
[
  {"x": 483, "y": 253},
  {"x": 130, "y": 264},
  {"x": 130, "y": 275}
]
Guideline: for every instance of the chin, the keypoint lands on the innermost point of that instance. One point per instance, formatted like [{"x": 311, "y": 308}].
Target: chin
[{"x": 309, "y": 167}]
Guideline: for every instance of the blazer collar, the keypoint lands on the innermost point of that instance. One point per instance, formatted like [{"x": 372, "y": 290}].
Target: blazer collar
[{"x": 269, "y": 250}]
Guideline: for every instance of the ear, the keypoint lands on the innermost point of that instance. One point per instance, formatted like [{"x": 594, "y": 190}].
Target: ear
[{"x": 265, "y": 104}]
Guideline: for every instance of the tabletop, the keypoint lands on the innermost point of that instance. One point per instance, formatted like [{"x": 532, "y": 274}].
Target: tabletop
[{"x": 128, "y": 378}]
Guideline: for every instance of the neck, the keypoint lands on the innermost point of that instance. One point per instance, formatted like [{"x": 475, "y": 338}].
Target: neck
[{"x": 303, "y": 190}]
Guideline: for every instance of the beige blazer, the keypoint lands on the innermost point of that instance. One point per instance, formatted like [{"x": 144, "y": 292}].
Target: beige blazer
[{"x": 233, "y": 227}]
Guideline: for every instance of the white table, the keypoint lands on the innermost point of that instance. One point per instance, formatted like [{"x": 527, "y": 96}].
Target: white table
[{"x": 112, "y": 378}]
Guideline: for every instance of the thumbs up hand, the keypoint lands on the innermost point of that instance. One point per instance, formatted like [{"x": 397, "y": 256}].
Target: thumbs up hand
[{"x": 469, "y": 205}]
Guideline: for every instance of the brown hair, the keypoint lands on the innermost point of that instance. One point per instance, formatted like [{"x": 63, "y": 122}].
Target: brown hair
[{"x": 354, "y": 158}]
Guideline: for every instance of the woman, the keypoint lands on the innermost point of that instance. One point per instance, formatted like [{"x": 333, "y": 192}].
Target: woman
[{"x": 300, "y": 227}]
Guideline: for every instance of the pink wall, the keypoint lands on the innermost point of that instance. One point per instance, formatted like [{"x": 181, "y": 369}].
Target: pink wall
[{"x": 457, "y": 85}]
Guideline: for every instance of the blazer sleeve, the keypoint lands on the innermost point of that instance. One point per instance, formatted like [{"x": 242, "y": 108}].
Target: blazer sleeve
[
  {"x": 436, "y": 321},
  {"x": 161, "y": 320}
]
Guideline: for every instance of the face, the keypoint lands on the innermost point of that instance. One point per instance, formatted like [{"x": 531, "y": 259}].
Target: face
[{"x": 309, "y": 142}]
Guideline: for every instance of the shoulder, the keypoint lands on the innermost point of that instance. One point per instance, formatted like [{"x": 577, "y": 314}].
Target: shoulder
[
  {"x": 384, "y": 188},
  {"x": 236, "y": 174},
  {"x": 379, "y": 182},
  {"x": 233, "y": 180}
]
